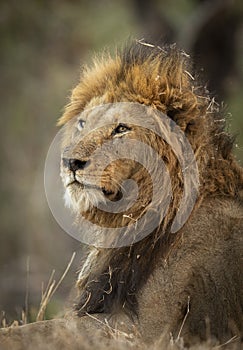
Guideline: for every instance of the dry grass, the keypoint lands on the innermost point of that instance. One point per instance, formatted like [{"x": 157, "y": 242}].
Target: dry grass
[
  {"x": 89, "y": 332},
  {"x": 46, "y": 296},
  {"x": 56, "y": 334},
  {"x": 51, "y": 289}
]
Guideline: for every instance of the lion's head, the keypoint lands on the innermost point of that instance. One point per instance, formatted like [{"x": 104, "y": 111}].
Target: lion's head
[
  {"x": 96, "y": 159},
  {"x": 122, "y": 159},
  {"x": 116, "y": 161}
]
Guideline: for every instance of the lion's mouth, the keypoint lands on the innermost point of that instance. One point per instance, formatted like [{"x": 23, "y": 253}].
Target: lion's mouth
[
  {"x": 87, "y": 186},
  {"x": 107, "y": 192}
]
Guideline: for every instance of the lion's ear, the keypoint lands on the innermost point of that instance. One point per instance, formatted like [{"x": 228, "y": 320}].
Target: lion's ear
[
  {"x": 191, "y": 126},
  {"x": 188, "y": 124},
  {"x": 171, "y": 113}
]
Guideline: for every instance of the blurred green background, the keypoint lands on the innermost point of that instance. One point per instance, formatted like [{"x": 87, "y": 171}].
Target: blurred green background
[{"x": 43, "y": 43}]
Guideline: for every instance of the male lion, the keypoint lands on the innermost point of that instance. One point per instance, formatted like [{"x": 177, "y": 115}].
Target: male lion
[
  {"x": 149, "y": 173},
  {"x": 186, "y": 281}
]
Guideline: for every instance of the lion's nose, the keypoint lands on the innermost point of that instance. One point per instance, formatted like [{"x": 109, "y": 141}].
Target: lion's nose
[{"x": 74, "y": 164}]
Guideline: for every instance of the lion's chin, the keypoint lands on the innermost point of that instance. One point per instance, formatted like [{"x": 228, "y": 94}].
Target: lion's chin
[{"x": 81, "y": 199}]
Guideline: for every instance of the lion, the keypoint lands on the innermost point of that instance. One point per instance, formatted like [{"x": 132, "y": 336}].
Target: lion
[
  {"x": 188, "y": 281},
  {"x": 149, "y": 174},
  {"x": 191, "y": 277}
]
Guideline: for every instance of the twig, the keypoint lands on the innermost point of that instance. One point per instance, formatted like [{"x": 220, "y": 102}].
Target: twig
[
  {"x": 189, "y": 74},
  {"x": 184, "y": 319},
  {"x": 114, "y": 331},
  {"x": 227, "y": 342}
]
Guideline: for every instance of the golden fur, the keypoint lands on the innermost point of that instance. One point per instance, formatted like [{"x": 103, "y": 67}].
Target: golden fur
[{"x": 158, "y": 277}]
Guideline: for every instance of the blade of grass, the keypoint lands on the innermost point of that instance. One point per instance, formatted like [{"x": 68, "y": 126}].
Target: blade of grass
[{"x": 51, "y": 289}]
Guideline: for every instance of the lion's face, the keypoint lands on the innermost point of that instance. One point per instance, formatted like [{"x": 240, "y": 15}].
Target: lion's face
[
  {"x": 96, "y": 159},
  {"x": 119, "y": 167}
]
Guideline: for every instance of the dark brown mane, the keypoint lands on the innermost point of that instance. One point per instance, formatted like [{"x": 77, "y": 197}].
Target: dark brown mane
[{"x": 162, "y": 78}]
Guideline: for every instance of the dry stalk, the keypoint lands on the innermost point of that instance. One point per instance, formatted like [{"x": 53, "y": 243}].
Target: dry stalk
[
  {"x": 235, "y": 337},
  {"x": 112, "y": 331},
  {"x": 3, "y": 320},
  {"x": 25, "y": 312},
  {"x": 50, "y": 290},
  {"x": 184, "y": 319}
]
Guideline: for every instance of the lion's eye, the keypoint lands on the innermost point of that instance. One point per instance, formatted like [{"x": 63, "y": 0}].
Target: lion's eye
[
  {"x": 81, "y": 124},
  {"x": 121, "y": 128}
]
